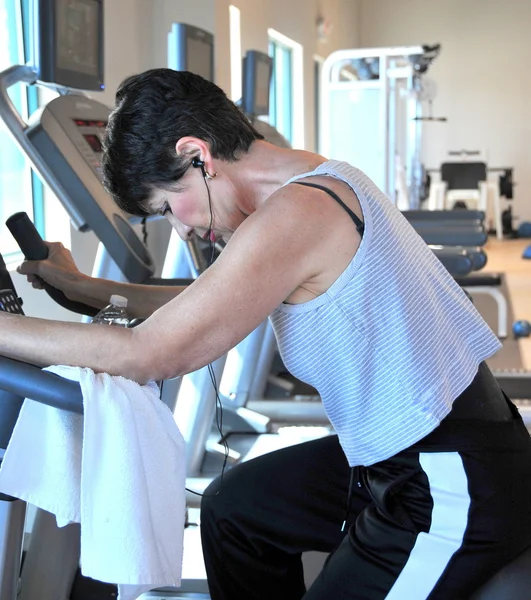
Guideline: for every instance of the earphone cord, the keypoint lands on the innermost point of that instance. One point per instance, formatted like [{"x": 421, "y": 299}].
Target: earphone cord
[
  {"x": 144, "y": 231},
  {"x": 219, "y": 405}
]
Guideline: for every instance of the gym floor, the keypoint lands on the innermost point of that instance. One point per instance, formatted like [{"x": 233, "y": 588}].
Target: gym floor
[{"x": 505, "y": 257}]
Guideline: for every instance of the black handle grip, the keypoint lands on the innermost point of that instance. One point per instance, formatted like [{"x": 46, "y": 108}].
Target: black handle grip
[
  {"x": 34, "y": 248},
  {"x": 27, "y": 236}
]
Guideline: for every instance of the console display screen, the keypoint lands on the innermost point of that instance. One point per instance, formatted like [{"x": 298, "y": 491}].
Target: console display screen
[
  {"x": 263, "y": 73},
  {"x": 85, "y": 123},
  {"x": 77, "y": 36},
  {"x": 94, "y": 142},
  {"x": 199, "y": 58}
]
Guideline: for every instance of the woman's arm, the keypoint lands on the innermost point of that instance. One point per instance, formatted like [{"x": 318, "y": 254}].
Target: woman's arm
[
  {"x": 60, "y": 271},
  {"x": 286, "y": 243},
  {"x": 142, "y": 300}
]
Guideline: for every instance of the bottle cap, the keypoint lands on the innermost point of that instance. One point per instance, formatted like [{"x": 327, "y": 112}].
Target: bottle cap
[{"x": 120, "y": 301}]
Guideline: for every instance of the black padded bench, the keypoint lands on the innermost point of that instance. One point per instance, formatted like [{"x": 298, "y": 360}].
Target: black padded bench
[
  {"x": 460, "y": 234},
  {"x": 478, "y": 256},
  {"x": 444, "y": 216},
  {"x": 460, "y": 261},
  {"x": 488, "y": 284},
  {"x": 456, "y": 260},
  {"x": 479, "y": 280},
  {"x": 513, "y": 582}
]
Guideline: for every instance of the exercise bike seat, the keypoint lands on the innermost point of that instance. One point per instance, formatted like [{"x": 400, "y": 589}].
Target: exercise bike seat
[{"x": 513, "y": 582}]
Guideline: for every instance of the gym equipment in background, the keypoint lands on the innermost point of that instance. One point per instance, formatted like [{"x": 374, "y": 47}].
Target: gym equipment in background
[
  {"x": 463, "y": 183},
  {"x": 191, "y": 49},
  {"x": 372, "y": 115}
]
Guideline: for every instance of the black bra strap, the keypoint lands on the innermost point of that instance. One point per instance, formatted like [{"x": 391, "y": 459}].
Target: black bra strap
[{"x": 358, "y": 222}]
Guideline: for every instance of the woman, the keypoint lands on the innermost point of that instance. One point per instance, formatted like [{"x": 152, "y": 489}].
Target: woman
[{"x": 424, "y": 492}]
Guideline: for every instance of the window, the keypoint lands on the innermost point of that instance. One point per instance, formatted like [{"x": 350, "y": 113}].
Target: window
[
  {"x": 286, "y": 88},
  {"x": 235, "y": 53},
  {"x": 20, "y": 188},
  {"x": 15, "y": 175},
  {"x": 49, "y": 215},
  {"x": 281, "y": 93}
]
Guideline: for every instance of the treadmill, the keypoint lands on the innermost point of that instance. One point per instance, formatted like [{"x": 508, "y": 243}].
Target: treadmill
[
  {"x": 52, "y": 572},
  {"x": 63, "y": 141}
]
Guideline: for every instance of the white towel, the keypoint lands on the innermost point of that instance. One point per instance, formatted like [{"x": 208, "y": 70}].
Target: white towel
[{"x": 119, "y": 470}]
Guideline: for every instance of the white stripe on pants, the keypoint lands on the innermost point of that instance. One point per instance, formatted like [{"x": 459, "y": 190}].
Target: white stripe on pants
[{"x": 433, "y": 550}]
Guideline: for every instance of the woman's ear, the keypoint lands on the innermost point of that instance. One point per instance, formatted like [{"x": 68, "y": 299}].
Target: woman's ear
[{"x": 192, "y": 146}]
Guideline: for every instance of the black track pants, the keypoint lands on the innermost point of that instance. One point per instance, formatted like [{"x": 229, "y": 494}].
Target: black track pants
[{"x": 435, "y": 521}]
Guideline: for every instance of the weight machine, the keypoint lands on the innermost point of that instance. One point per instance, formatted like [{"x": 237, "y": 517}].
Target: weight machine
[{"x": 374, "y": 105}]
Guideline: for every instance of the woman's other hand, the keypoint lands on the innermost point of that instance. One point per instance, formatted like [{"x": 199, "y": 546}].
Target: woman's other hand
[{"x": 58, "y": 270}]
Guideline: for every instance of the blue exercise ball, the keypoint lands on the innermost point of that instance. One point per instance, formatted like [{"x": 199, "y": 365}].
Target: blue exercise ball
[
  {"x": 521, "y": 329},
  {"x": 524, "y": 230}
]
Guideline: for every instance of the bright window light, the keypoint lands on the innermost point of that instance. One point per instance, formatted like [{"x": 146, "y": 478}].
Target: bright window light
[{"x": 235, "y": 53}]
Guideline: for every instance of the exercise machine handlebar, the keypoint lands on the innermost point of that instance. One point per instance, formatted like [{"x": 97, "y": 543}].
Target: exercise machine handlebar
[
  {"x": 29, "y": 381},
  {"x": 34, "y": 248}
]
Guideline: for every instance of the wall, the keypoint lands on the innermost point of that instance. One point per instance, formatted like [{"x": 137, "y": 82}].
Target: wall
[{"x": 482, "y": 75}]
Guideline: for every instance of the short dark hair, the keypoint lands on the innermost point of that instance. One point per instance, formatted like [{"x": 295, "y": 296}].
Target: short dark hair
[{"x": 155, "y": 109}]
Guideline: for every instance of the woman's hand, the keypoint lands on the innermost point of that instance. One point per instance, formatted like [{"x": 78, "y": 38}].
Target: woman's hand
[{"x": 59, "y": 270}]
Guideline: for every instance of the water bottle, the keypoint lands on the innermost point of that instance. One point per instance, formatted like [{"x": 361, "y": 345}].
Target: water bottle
[{"x": 113, "y": 314}]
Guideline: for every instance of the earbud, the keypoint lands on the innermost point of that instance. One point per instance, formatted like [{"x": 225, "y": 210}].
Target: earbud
[{"x": 197, "y": 163}]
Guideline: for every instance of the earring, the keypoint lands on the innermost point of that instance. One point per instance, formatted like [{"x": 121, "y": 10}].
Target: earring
[{"x": 210, "y": 176}]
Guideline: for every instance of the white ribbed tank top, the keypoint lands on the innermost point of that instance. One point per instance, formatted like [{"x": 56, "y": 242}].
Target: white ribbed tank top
[{"x": 392, "y": 343}]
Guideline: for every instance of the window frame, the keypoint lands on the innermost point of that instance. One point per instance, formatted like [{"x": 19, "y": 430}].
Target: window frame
[
  {"x": 287, "y": 115},
  {"x": 33, "y": 104},
  {"x": 318, "y": 62}
]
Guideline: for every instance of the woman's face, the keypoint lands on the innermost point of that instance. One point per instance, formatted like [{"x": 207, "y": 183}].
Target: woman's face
[{"x": 190, "y": 211}]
